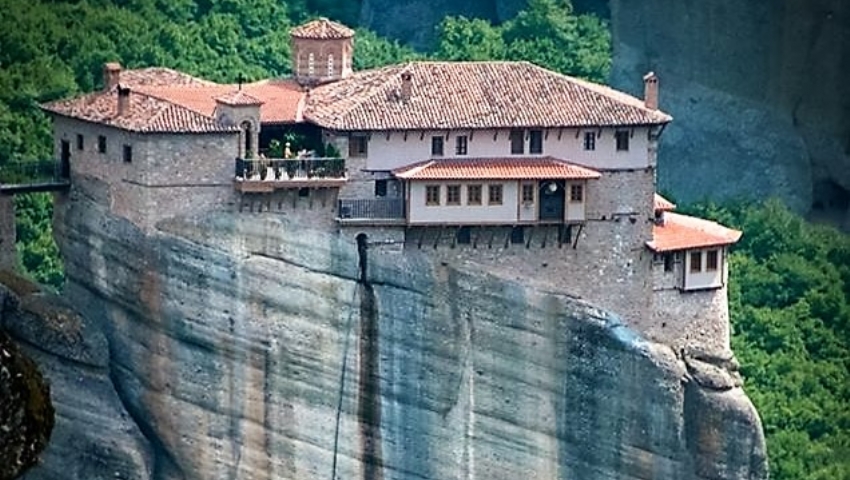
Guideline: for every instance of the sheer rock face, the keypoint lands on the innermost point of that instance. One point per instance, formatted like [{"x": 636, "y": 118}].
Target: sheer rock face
[
  {"x": 93, "y": 436},
  {"x": 758, "y": 91},
  {"x": 245, "y": 347},
  {"x": 26, "y": 414}
]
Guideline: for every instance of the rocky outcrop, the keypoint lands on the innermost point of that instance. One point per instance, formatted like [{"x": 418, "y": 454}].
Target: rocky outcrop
[
  {"x": 758, "y": 91},
  {"x": 253, "y": 346},
  {"x": 93, "y": 437},
  {"x": 26, "y": 413}
]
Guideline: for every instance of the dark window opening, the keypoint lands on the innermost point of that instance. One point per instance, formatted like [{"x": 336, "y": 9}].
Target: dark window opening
[
  {"x": 461, "y": 145},
  {"x": 358, "y": 146},
  {"x": 622, "y": 137},
  {"x": 464, "y": 236},
  {"x": 437, "y": 146},
  {"x": 518, "y": 235},
  {"x": 80, "y": 142},
  {"x": 517, "y": 142},
  {"x": 668, "y": 262},
  {"x": 535, "y": 141},
  {"x": 380, "y": 188},
  {"x": 590, "y": 140},
  {"x": 711, "y": 261},
  {"x": 101, "y": 144},
  {"x": 128, "y": 154},
  {"x": 696, "y": 262}
]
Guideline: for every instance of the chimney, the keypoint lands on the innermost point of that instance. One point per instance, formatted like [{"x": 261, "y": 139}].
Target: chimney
[
  {"x": 650, "y": 91},
  {"x": 406, "y": 86},
  {"x": 123, "y": 100},
  {"x": 111, "y": 74}
]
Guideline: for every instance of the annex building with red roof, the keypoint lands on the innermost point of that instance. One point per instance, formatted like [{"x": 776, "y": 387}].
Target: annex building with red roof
[{"x": 504, "y": 166}]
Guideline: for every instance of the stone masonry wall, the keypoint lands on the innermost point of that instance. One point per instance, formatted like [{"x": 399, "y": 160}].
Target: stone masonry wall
[
  {"x": 169, "y": 174},
  {"x": 7, "y": 231}
]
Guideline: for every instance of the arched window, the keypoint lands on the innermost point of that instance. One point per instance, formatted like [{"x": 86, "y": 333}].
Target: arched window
[
  {"x": 311, "y": 64},
  {"x": 330, "y": 65}
]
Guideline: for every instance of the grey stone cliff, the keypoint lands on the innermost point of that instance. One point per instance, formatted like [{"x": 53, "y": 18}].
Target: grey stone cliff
[{"x": 249, "y": 346}]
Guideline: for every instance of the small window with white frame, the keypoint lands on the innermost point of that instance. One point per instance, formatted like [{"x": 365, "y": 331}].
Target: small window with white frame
[
  {"x": 696, "y": 262},
  {"x": 473, "y": 194},
  {"x": 461, "y": 145},
  {"x": 452, "y": 194},
  {"x": 576, "y": 193},
  {"x": 494, "y": 194},
  {"x": 432, "y": 195},
  {"x": 590, "y": 141},
  {"x": 527, "y": 193}
]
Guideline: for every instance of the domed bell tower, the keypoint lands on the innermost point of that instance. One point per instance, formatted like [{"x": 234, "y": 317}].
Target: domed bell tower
[{"x": 322, "y": 51}]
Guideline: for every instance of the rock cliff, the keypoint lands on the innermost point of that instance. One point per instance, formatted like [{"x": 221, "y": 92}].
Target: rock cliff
[
  {"x": 758, "y": 89},
  {"x": 246, "y": 346},
  {"x": 759, "y": 92}
]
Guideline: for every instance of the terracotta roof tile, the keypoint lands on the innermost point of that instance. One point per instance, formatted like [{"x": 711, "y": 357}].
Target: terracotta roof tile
[
  {"x": 282, "y": 99},
  {"x": 321, "y": 29},
  {"x": 145, "y": 114},
  {"x": 158, "y": 77},
  {"x": 448, "y": 95},
  {"x": 662, "y": 204},
  {"x": 239, "y": 97},
  {"x": 494, "y": 168},
  {"x": 681, "y": 232}
]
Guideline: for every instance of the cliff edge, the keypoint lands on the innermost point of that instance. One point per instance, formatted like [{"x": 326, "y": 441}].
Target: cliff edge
[{"x": 253, "y": 346}]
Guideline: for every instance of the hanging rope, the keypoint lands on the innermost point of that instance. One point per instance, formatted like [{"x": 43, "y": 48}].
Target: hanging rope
[{"x": 342, "y": 380}]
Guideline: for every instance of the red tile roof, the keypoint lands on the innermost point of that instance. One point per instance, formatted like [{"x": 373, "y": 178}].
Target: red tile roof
[
  {"x": 322, "y": 29},
  {"x": 494, "y": 168},
  {"x": 144, "y": 114},
  {"x": 447, "y": 95},
  {"x": 239, "y": 97},
  {"x": 682, "y": 232},
  {"x": 158, "y": 77},
  {"x": 282, "y": 99},
  {"x": 663, "y": 204}
]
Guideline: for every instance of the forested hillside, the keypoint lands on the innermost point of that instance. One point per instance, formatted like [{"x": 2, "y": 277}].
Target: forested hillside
[{"x": 790, "y": 281}]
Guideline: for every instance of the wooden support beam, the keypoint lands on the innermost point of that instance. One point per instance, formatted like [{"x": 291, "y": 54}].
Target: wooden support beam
[{"x": 439, "y": 236}]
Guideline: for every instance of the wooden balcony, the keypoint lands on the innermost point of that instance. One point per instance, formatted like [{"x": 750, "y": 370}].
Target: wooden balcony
[{"x": 266, "y": 175}]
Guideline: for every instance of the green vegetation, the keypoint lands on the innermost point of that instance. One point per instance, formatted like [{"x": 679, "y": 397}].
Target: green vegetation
[
  {"x": 790, "y": 281},
  {"x": 789, "y": 301}
]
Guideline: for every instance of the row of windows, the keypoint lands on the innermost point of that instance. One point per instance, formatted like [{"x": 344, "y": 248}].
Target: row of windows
[
  {"x": 433, "y": 194},
  {"x": 358, "y": 144},
  {"x": 711, "y": 261},
  {"x": 311, "y": 65},
  {"x": 621, "y": 138},
  {"x": 126, "y": 153}
]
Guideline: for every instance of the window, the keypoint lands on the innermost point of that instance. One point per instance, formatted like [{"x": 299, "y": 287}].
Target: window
[
  {"x": 495, "y": 194},
  {"x": 590, "y": 140},
  {"x": 668, "y": 262},
  {"x": 432, "y": 195},
  {"x": 101, "y": 144},
  {"x": 311, "y": 64},
  {"x": 437, "y": 146},
  {"x": 358, "y": 146},
  {"x": 622, "y": 137},
  {"x": 517, "y": 142},
  {"x": 453, "y": 195},
  {"x": 330, "y": 65},
  {"x": 128, "y": 154},
  {"x": 380, "y": 188},
  {"x": 528, "y": 193},
  {"x": 473, "y": 194},
  {"x": 711, "y": 262},
  {"x": 80, "y": 142},
  {"x": 461, "y": 145},
  {"x": 576, "y": 193},
  {"x": 535, "y": 141},
  {"x": 696, "y": 262}
]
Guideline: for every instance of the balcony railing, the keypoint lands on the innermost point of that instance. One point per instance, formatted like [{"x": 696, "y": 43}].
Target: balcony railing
[
  {"x": 269, "y": 174},
  {"x": 383, "y": 209},
  {"x": 281, "y": 169},
  {"x": 44, "y": 175}
]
